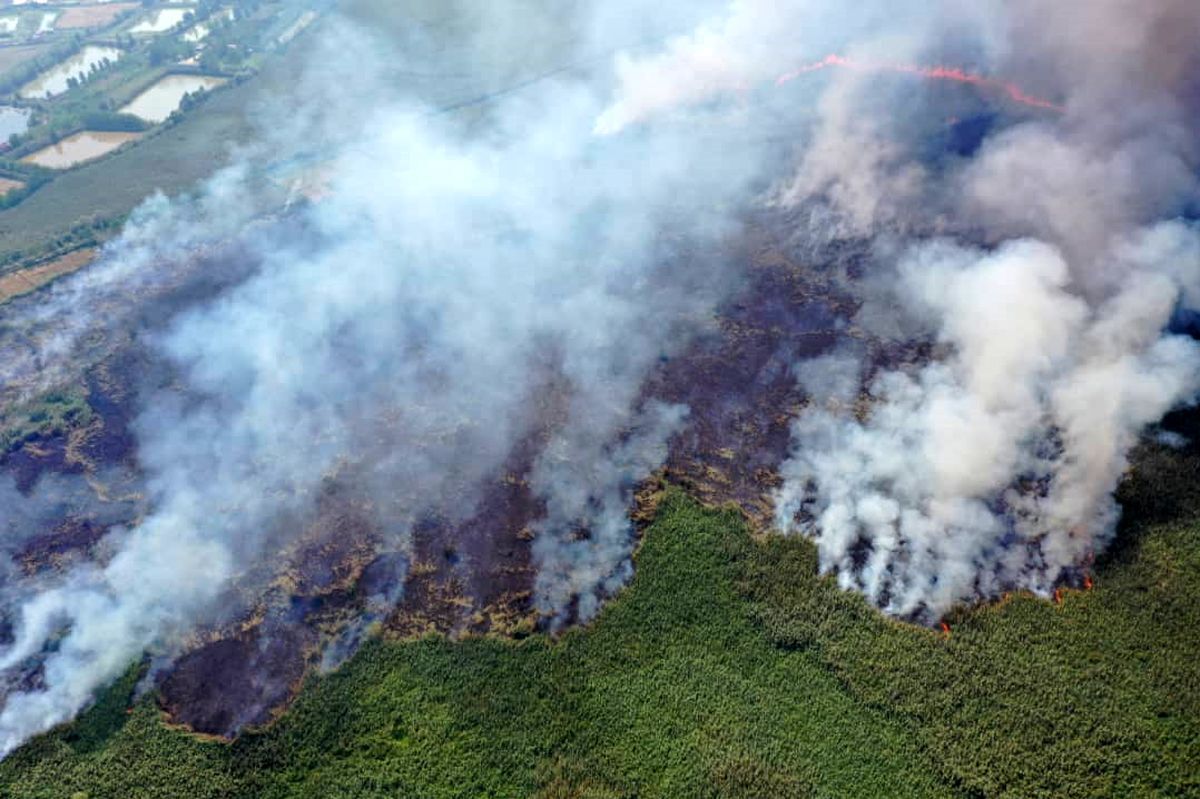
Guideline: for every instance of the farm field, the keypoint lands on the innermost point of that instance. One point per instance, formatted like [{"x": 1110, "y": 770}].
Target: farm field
[
  {"x": 91, "y": 88},
  {"x": 163, "y": 98},
  {"x": 79, "y": 147},
  {"x": 171, "y": 161},
  {"x": 16, "y": 284},
  {"x": 175, "y": 158},
  {"x": 81, "y": 17},
  {"x": 14, "y": 55}
]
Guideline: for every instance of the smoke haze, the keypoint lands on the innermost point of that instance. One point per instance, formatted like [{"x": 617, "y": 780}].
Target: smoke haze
[
  {"x": 467, "y": 277},
  {"x": 991, "y": 468},
  {"x": 403, "y": 338}
]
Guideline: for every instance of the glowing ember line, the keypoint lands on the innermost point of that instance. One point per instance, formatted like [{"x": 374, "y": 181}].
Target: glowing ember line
[{"x": 954, "y": 74}]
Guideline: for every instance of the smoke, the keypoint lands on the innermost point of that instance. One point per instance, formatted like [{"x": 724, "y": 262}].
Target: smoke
[
  {"x": 42, "y": 335},
  {"x": 992, "y": 468},
  {"x": 396, "y": 341},
  {"x": 1045, "y": 262},
  {"x": 583, "y": 542},
  {"x": 471, "y": 282},
  {"x": 752, "y": 42}
]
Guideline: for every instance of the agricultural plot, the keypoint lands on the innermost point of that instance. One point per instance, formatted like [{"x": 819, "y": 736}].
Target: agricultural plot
[
  {"x": 59, "y": 78},
  {"x": 93, "y": 16},
  {"x": 16, "y": 284},
  {"x": 14, "y": 55},
  {"x": 162, "y": 20},
  {"x": 163, "y": 98},
  {"x": 79, "y": 147}
]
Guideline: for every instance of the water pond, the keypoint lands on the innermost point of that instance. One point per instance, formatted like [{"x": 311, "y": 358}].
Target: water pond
[
  {"x": 54, "y": 80},
  {"x": 82, "y": 146},
  {"x": 160, "y": 100},
  {"x": 12, "y": 120},
  {"x": 162, "y": 20}
]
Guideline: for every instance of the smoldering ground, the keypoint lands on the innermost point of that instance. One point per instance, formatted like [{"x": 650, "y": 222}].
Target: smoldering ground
[
  {"x": 1046, "y": 260},
  {"x": 388, "y": 359},
  {"x": 535, "y": 304}
]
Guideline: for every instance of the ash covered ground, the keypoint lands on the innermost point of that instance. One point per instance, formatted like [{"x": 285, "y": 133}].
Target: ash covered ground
[
  {"x": 466, "y": 577},
  {"x": 884, "y": 309}
]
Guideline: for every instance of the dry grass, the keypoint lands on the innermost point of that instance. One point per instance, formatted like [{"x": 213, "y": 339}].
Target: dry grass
[
  {"x": 33, "y": 278},
  {"x": 91, "y": 16}
]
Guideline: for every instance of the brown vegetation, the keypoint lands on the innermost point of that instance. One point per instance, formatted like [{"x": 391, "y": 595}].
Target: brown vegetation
[
  {"x": 91, "y": 16},
  {"x": 26, "y": 280}
]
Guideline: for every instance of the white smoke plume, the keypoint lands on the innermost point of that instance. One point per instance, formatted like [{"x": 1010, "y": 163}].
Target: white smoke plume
[
  {"x": 583, "y": 542},
  {"x": 1045, "y": 261},
  {"x": 992, "y": 469},
  {"x": 402, "y": 337},
  {"x": 753, "y": 42},
  {"x": 565, "y": 231},
  {"x": 41, "y": 334}
]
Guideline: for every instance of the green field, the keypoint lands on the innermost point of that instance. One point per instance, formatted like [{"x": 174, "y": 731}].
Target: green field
[
  {"x": 55, "y": 413},
  {"x": 727, "y": 669}
]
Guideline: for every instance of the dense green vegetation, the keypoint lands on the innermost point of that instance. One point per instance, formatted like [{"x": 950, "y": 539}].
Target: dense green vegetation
[
  {"x": 727, "y": 669},
  {"x": 30, "y": 175}
]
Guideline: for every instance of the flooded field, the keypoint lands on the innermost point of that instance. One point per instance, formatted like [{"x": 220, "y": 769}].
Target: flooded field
[
  {"x": 7, "y": 185},
  {"x": 162, "y": 20},
  {"x": 202, "y": 29},
  {"x": 54, "y": 80},
  {"x": 83, "y": 146},
  {"x": 160, "y": 100},
  {"x": 12, "y": 120},
  {"x": 46, "y": 23}
]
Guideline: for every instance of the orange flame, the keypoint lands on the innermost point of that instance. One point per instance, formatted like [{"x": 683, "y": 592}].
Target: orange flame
[
  {"x": 945, "y": 628},
  {"x": 1088, "y": 582},
  {"x": 955, "y": 74}
]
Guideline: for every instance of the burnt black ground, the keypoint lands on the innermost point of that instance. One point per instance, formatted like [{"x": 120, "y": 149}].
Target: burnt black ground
[{"x": 464, "y": 576}]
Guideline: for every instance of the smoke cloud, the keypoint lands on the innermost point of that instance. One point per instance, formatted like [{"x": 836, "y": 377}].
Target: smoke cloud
[
  {"x": 993, "y": 468},
  {"x": 1045, "y": 261},
  {"x": 513, "y": 272},
  {"x": 401, "y": 335}
]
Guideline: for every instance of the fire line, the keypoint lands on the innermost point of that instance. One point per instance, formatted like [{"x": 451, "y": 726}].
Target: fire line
[{"x": 954, "y": 74}]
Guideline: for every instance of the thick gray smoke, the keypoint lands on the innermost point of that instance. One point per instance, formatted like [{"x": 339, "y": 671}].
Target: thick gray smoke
[
  {"x": 545, "y": 247},
  {"x": 456, "y": 272},
  {"x": 41, "y": 335},
  {"x": 992, "y": 467}
]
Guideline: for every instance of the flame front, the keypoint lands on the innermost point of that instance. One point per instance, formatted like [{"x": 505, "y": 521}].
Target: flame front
[{"x": 954, "y": 74}]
